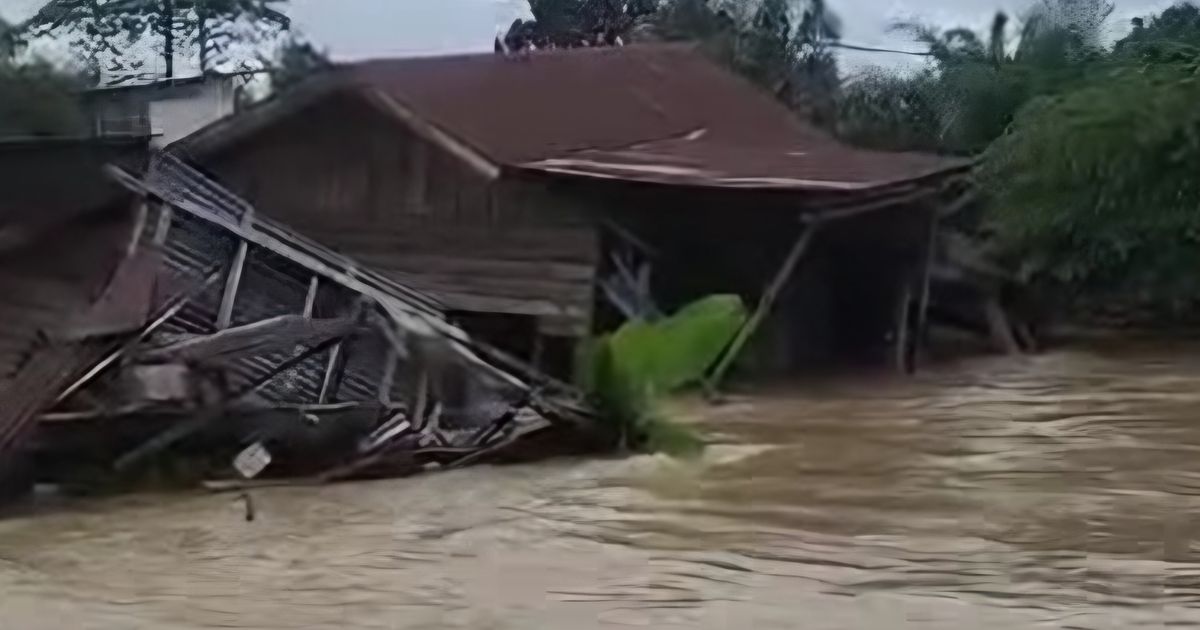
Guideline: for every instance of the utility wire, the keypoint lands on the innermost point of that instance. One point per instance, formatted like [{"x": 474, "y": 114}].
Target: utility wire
[{"x": 879, "y": 50}]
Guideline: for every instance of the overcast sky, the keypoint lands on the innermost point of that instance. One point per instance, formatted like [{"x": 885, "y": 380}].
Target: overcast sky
[{"x": 355, "y": 29}]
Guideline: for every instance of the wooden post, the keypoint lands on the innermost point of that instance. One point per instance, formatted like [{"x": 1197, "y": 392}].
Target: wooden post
[
  {"x": 1002, "y": 331},
  {"x": 165, "y": 214},
  {"x": 225, "y": 314},
  {"x": 765, "y": 303},
  {"x": 922, "y": 327},
  {"x": 417, "y": 407},
  {"x": 389, "y": 375},
  {"x": 332, "y": 368},
  {"x": 310, "y": 299},
  {"x": 139, "y": 227},
  {"x": 903, "y": 326}
]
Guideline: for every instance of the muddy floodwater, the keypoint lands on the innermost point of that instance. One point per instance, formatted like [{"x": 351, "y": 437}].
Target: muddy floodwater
[{"x": 1057, "y": 491}]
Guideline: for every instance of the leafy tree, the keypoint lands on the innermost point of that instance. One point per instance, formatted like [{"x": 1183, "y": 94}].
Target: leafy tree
[
  {"x": 574, "y": 23},
  {"x": 882, "y": 110},
  {"x": 1095, "y": 190},
  {"x": 295, "y": 60},
  {"x": 815, "y": 81},
  {"x": 975, "y": 85},
  {"x": 1179, "y": 24},
  {"x": 103, "y": 31}
]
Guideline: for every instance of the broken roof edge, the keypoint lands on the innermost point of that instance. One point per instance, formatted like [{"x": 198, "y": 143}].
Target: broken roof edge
[{"x": 562, "y": 168}]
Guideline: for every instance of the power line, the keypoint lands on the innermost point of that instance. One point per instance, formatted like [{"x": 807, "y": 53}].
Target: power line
[{"x": 880, "y": 50}]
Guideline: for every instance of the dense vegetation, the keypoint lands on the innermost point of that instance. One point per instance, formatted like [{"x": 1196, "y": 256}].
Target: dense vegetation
[
  {"x": 109, "y": 35},
  {"x": 1088, "y": 151}
]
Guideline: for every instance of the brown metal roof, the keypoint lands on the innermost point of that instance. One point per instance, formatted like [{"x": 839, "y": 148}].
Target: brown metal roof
[
  {"x": 783, "y": 164},
  {"x": 658, "y": 113},
  {"x": 516, "y": 110}
]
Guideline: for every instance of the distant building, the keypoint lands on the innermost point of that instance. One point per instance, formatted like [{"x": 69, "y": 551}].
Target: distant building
[{"x": 164, "y": 110}]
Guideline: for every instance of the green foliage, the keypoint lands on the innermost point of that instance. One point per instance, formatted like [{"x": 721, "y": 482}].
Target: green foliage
[
  {"x": 103, "y": 32},
  {"x": 881, "y": 110},
  {"x": 572, "y": 23},
  {"x": 1096, "y": 190},
  {"x": 294, "y": 61},
  {"x": 974, "y": 86},
  {"x": 1089, "y": 156},
  {"x": 627, "y": 371}
]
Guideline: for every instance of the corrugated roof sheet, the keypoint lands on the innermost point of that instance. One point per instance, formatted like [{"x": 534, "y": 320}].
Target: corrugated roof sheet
[
  {"x": 660, "y": 113},
  {"x": 700, "y": 160}
]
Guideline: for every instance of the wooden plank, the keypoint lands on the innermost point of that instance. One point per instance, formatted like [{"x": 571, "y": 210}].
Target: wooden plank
[
  {"x": 1001, "y": 328},
  {"x": 442, "y": 264},
  {"x": 276, "y": 333},
  {"x": 576, "y": 292},
  {"x": 388, "y": 376},
  {"x": 474, "y": 303},
  {"x": 163, "y": 227},
  {"x": 533, "y": 243},
  {"x": 225, "y": 314},
  {"x": 332, "y": 368},
  {"x": 310, "y": 298}
]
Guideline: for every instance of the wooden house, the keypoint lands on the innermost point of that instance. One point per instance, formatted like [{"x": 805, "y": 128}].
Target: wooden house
[{"x": 519, "y": 191}]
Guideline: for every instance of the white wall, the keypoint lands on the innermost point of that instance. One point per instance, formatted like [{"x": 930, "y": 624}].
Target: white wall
[{"x": 186, "y": 109}]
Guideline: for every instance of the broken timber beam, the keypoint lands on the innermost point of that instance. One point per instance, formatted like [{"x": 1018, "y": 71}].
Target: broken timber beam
[
  {"x": 310, "y": 298},
  {"x": 765, "y": 304},
  {"x": 260, "y": 337},
  {"x": 163, "y": 227},
  {"x": 225, "y": 314}
]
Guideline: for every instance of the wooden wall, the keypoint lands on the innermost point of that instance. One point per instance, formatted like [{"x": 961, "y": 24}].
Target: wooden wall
[{"x": 348, "y": 176}]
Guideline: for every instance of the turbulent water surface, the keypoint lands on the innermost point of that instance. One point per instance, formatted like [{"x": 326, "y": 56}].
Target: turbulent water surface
[{"x": 1057, "y": 491}]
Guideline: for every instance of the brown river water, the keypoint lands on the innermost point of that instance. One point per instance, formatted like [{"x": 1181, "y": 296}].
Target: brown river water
[{"x": 1056, "y": 491}]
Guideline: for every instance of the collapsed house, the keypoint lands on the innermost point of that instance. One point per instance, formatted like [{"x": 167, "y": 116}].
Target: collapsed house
[
  {"x": 188, "y": 323},
  {"x": 547, "y": 197}
]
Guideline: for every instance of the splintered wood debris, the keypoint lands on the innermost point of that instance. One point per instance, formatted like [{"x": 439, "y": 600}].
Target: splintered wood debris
[{"x": 277, "y": 348}]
